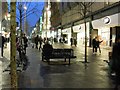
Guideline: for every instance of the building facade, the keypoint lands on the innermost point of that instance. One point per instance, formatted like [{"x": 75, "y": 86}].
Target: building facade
[
  {"x": 46, "y": 20},
  {"x": 4, "y": 13},
  {"x": 55, "y": 20},
  {"x": 72, "y": 21}
]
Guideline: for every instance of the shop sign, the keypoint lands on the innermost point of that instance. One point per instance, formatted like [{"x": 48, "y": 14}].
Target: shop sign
[{"x": 106, "y": 20}]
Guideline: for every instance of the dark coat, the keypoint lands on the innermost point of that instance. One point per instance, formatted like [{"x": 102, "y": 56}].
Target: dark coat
[
  {"x": 2, "y": 41},
  {"x": 25, "y": 40},
  {"x": 47, "y": 50},
  {"x": 36, "y": 40},
  {"x": 94, "y": 42}
]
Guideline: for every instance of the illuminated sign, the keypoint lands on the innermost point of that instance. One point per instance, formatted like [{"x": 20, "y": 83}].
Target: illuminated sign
[{"x": 106, "y": 20}]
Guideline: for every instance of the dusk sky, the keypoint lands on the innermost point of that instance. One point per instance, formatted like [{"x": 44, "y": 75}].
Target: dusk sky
[{"x": 31, "y": 17}]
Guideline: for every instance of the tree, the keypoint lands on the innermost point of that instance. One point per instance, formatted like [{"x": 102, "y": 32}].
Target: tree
[
  {"x": 84, "y": 11},
  {"x": 25, "y": 9},
  {"x": 13, "y": 70}
]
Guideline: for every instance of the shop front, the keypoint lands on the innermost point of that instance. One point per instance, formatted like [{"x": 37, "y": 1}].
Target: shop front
[
  {"x": 44, "y": 33},
  {"x": 104, "y": 26},
  {"x": 66, "y": 35},
  {"x": 80, "y": 32}
]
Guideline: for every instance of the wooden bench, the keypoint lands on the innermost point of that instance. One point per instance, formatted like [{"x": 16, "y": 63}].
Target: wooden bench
[{"x": 59, "y": 54}]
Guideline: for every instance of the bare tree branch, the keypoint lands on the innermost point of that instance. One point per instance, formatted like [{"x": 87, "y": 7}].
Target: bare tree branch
[
  {"x": 29, "y": 4},
  {"x": 28, "y": 14}
]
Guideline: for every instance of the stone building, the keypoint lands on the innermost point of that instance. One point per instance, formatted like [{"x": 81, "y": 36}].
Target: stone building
[{"x": 101, "y": 18}]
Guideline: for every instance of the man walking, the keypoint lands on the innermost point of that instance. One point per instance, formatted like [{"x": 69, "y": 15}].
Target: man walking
[
  {"x": 36, "y": 41},
  {"x": 98, "y": 42},
  {"x": 40, "y": 41},
  {"x": 2, "y": 40},
  {"x": 94, "y": 43}
]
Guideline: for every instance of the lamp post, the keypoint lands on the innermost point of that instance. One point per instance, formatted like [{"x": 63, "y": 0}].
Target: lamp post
[
  {"x": 46, "y": 20},
  {"x": 25, "y": 29},
  {"x": 20, "y": 10}
]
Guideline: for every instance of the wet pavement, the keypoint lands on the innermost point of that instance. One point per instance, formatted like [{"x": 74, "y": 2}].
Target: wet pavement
[
  {"x": 5, "y": 76},
  {"x": 77, "y": 75}
]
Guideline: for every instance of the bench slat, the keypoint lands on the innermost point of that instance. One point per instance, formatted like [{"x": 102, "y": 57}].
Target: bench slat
[{"x": 61, "y": 53}]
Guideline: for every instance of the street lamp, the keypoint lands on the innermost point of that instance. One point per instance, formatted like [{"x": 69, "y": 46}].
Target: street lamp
[{"x": 25, "y": 7}]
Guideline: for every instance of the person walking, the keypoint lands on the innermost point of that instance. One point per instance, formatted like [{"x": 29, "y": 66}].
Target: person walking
[
  {"x": 75, "y": 42},
  {"x": 71, "y": 41},
  {"x": 36, "y": 41},
  {"x": 115, "y": 65},
  {"x": 32, "y": 41},
  {"x": 98, "y": 42},
  {"x": 2, "y": 41},
  {"x": 94, "y": 44},
  {"x": 25, "y": 41},
  {"x": 40, "y": 42}
]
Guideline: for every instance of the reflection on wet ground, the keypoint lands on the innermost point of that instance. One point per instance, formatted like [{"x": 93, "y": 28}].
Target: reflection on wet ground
[{"x": 77, "y": 75}]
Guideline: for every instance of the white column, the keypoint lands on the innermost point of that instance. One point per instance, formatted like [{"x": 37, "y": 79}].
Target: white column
[{"x": 25, "y": 28}]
